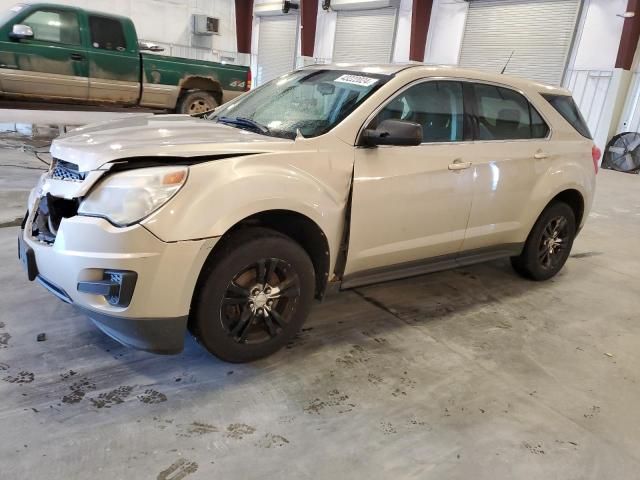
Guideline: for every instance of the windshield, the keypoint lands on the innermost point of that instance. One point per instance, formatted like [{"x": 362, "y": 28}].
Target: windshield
[{"x": 311, "y": 101}]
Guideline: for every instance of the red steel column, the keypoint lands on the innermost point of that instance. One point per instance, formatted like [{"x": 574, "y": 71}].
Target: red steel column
[
  {"x": 244, "y": 24},
  {"x": 420, "y": 17},
  {"x": 309, "y": 16}
]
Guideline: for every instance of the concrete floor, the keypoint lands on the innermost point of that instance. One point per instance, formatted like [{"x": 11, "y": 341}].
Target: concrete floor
[{"x": 468, "y": 374}]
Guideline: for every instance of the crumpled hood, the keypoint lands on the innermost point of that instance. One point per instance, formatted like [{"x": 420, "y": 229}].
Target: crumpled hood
[{"x": 93, "y": 145}]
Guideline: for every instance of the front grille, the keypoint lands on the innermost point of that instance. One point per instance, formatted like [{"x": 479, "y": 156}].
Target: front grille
[{"x": 61, "y": 170}]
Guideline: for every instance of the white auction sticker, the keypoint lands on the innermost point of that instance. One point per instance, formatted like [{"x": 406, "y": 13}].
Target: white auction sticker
[{"x": 357, "y": 80}]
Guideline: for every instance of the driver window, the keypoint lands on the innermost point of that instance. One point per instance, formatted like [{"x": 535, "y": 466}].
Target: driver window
[
  {"x": 436, "y": 105},
  {"x": 59, "y": 26}
]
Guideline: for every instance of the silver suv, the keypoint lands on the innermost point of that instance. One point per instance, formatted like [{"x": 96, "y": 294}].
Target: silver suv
[{"x": 230, "y": 223}]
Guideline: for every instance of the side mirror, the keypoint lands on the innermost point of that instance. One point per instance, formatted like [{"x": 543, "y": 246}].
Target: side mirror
[
  {"x": 20, "y": 32},
  {"x": 393, "y": 132}
]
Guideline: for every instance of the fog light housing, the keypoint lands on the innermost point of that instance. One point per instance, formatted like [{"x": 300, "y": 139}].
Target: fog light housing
[{"x": 116, "y": 287}]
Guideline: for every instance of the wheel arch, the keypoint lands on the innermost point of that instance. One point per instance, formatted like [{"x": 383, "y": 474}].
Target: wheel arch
[
  {"x": 209, "y": 84},
  {"x": 574, "y": 199},
  {"x": 297, "y": 226}
]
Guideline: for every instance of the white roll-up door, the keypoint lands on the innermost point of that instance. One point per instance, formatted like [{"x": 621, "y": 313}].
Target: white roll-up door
[
  {"x": 538, "y": 32},
  {"x": 277, "y": 40},
  {"x": 365, "y": 36}
]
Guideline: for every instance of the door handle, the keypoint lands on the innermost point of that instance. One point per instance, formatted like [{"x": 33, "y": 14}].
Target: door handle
[
  {"x": 76, "y": 56},
  {"x": 540, "y": 155},
  {"x": 459, "y": 165}
]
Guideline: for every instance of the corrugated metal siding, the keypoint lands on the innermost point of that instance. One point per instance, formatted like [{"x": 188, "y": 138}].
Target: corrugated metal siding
[
  {"x": 277, "y": 40},
  {"x": 539, "y": 32},
  {"x": 365, "y": 36}
]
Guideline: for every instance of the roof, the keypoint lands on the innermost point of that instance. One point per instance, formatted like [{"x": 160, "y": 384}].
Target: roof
[{"x": 444, "y": 71}]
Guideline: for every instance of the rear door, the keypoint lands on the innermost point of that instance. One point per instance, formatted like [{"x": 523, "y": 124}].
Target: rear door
[
  {"x": 511, "y": 152},
  {"x": 52, "y": 65},
  {"x": 114, "y": 61}
]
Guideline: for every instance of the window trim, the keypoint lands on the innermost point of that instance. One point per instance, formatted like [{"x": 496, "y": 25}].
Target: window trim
[
  {"x": 55, "y": 9},
  {"x": 469, "y": 110}
]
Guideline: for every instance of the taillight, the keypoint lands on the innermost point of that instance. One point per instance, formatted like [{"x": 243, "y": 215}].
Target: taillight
[
  {"x": 596, "y": 153},
  {"x": 249, "y": 81}
]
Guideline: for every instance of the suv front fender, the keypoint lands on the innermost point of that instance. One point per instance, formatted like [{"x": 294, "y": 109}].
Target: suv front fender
[{"x": 222, "y": 193}]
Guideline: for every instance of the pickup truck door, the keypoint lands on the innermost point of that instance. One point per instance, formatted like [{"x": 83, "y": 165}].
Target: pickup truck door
[
  {"x": 52, "y": 65},
  {"x": 410, "y": 205},
  {"x": 114, "y": 60}
]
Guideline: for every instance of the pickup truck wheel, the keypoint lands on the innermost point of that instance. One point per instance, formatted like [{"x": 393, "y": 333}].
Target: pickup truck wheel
[
  {"x": 194, "y": 102},
  {"x": 549, "y": 243},
  {"x": 254, "y": 296}
]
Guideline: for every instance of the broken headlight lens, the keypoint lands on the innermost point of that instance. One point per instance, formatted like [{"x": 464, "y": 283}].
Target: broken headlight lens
[{"x": 127, "y": 197}]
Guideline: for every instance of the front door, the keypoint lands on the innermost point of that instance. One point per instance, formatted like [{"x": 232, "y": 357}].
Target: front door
[
  {"x": 114, "y": 74},
  {"x": 412, "y": 204},
  {"x": 50, "y": 66}
]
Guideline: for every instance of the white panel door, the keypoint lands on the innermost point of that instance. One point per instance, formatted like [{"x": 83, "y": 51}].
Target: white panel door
[
  {"x": 538, "y": 32},
  {"x": 365, "y": 36},
  {"x": 277, "y": 39}
]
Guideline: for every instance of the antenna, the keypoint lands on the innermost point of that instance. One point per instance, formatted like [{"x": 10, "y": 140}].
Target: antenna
[{"x": 508, "y": 60}]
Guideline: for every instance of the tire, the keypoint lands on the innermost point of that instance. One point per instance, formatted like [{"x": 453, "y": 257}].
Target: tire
[
  {"x": 193, "y": 102},
  {"x": 239, "y": 312},
  {"x": 539, "y": 260}
]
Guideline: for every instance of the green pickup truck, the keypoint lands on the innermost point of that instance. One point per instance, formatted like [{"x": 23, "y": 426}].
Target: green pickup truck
[{"x": 57, "y": 53}]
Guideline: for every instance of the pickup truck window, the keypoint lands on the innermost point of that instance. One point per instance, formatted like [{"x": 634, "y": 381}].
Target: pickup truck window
[
  {"x": 311, "y": 101},
  {"x": 106, "y": 33},
  {"x": 50, "y": 25}
]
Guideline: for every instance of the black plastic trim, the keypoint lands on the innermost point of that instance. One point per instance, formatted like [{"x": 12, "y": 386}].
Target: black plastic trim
[
  {"x": 429, "y": 265},
  {"x": 156, "y": 335},
  {"x": 54, "y": 289}
]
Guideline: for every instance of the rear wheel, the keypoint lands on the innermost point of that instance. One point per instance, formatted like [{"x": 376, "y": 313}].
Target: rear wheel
[
  {"x": 254, "y": 297},
  {"x": 549, "y": 243},
  {"x": 194, "y": 102}
]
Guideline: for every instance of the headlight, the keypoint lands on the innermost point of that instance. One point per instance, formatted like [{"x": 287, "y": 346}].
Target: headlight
[{"x": 127, "y": 197}]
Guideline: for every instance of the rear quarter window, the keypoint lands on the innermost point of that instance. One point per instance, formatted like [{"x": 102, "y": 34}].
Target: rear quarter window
[{"x": 566, "y": 107}]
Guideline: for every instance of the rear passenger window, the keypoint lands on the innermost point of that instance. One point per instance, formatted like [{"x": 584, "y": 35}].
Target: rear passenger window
[
  {"x": 569, "y": 110},
  {"x": 59, "y": 26},
  {"x": 504, "y": 114},
  {"x": 107, "y": 33},
  {"x": 436, "y": 105}
]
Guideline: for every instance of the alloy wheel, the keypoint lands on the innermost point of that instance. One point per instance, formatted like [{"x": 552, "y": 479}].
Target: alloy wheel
[
  {"x": 553, "y": 243},
  {"x": 260, "y": 301}
]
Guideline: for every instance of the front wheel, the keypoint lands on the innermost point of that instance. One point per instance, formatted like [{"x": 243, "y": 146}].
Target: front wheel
[
  {"x": 254, "y": 296},
  {"x": 549, "y": 243}
]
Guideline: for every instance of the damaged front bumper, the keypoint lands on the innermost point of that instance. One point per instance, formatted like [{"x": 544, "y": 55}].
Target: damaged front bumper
[{"x": 131, "y": 284}]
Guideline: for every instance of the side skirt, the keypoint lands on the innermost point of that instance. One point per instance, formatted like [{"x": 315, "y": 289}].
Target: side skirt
[{"x": 430, "y": 265}]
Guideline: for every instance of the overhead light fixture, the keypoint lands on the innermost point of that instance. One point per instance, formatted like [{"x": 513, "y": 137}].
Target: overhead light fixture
[{"x": 626, "y": 15}]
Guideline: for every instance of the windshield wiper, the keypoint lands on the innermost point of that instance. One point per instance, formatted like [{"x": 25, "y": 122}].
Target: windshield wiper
[{"x": 243, "y": 122}]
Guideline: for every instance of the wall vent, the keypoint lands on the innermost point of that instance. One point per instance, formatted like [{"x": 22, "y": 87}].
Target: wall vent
[{"x": 204, "y": 25}]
